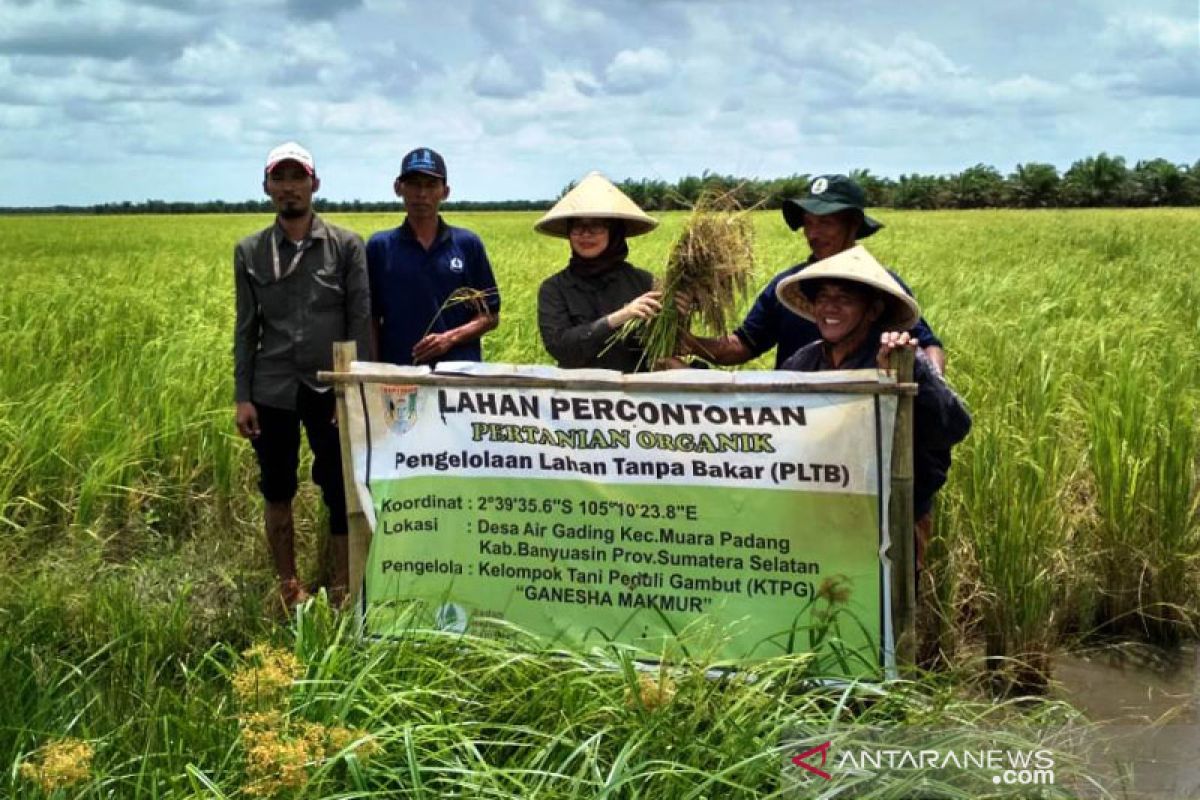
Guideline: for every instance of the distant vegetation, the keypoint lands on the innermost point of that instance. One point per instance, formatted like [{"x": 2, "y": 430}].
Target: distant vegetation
[{"x": 1093, "y": 182}]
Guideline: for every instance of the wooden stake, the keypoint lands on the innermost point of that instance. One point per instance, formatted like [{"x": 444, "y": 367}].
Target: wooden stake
[
  {"x": 902, "y": 552},
  {"x": 360, "y": 529}
]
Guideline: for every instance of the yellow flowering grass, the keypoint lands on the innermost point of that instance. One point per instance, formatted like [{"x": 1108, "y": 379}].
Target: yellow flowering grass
[{"x": 59, "y": 764}]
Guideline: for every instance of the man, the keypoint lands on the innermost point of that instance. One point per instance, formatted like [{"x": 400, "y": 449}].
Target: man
[
  {"x": 432, "y": 291},
  {"x": 862, "y": 314},
  {"x": 301, "y": 285},
  {"x": 833, "y": 217}
]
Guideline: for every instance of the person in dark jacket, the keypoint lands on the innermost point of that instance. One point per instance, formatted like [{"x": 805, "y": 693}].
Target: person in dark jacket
[
  {"x": 581, "y": 308},
  {"x": 863, "y": 314}
]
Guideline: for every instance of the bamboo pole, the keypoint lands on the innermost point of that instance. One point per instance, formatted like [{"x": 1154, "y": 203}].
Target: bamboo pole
[
  {"x": 360, "y": 529},
  {"x": 902, "y": 552},
  {"x": 340, "y": 377}
]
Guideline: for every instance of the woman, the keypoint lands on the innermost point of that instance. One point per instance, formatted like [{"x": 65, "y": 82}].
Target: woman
[{"x": 581, "y": 308}]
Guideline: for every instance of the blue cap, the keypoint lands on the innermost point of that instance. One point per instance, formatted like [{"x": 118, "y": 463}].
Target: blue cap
[{"x": 423, "y": 160}]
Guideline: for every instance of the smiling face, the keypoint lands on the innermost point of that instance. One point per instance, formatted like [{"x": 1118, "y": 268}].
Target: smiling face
[
  {"x": 845, "y": 311},
  {"x": 291, "y": 189},
  {"x": 830, "y": 234},
  {"x": 589, "y": 237}
]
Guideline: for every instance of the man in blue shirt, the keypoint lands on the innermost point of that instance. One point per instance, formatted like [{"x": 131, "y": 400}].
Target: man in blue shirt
[
  {"x": 433, "y": 295},
  {"x": 833, "y": 217}
]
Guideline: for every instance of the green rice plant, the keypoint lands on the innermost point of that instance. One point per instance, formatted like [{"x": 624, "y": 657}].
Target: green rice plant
[{"x": 133, "y": 571}]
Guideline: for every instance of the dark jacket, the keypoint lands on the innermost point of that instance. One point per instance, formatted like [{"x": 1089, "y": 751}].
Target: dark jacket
[
  {"x": 571, "y": 317},
  {"x": 940, "y": 419}
]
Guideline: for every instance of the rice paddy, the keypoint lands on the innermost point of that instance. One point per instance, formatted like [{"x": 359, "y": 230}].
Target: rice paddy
[{"x": 136, "y": 584}]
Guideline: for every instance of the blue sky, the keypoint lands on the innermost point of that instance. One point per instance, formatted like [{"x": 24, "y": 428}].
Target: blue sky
[{"x": 110, "y": 100}]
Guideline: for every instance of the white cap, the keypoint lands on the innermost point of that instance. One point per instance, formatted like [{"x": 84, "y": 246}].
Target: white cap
[{"x": 290, "y": 151}]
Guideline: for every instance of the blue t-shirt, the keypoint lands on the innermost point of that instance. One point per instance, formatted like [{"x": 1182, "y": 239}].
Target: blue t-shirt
[
  {"x": 410, "y": 287},
  {"x": 769, "y": 323}
]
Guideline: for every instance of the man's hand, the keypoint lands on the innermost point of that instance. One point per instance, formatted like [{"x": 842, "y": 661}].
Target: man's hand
[
  {"x": 246, "y": 419},
  {"x": 433, "y": 347},
  {"x": 643, "y": 307},
  {"x": 684, "y": 303},
  {"x": 893, "y": 340}
]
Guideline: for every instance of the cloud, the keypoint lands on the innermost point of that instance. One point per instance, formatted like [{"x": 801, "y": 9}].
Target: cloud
[
  {"x": 507, "y": 76},
  {"x": 1149, "y": 35},
  {"x": 1147, "y": 55},
  {"x": 1028, "y": 91},
  {"x": 528, "y": 94},
  {"x": 635, "y": 71},
  {"x": 320, "y": 9},
  {"x": 105, "y": 31}
]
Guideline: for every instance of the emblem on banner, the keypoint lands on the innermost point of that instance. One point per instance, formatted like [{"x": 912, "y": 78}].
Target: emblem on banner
[
  {"x": 400, "y": 407},
  {"x": 450, "y": 617}
]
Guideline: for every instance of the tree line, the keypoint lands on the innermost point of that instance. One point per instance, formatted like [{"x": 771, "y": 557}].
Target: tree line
[{"x": 1096, "y": 181}]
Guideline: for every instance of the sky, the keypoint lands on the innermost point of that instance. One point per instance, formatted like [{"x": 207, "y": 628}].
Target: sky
[{"x": 111, "y": 100}]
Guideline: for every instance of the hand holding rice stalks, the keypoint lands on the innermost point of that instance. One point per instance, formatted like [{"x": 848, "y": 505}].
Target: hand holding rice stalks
[
  {"x": 463, "y": 295},
  {"x": 708, "y": 274}
]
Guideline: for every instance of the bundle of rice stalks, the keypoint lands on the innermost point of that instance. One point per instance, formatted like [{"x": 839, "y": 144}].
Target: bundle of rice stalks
[{"x": 710, "y": 268}]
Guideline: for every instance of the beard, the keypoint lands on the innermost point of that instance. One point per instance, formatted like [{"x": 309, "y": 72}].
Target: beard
[{"x": 292, "y": 212}]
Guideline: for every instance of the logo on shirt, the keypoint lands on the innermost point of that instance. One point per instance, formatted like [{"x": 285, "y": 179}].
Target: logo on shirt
[
  {"x": 456, "y": 264},
  {"x": 819, "y": 186}
]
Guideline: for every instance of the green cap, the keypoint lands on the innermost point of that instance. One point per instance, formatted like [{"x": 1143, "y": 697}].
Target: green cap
[{"x": 829, "y": 194}]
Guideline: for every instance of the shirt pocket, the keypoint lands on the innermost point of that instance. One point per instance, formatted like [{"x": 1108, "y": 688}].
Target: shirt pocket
[
  {"x": 270, "y": 295},
  {"x": 327, "y": 293}
]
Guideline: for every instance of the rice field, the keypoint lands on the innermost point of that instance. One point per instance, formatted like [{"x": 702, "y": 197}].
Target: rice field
[{"x": 135, "y": 581}]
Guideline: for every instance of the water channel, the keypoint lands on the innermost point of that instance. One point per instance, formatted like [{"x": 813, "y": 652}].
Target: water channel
[{"x": 1146, "y": 745}]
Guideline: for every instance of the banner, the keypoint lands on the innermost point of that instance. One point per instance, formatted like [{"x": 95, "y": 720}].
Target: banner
[{"x": 725, "y": 513}]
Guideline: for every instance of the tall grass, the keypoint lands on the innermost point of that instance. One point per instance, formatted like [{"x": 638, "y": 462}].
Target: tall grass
[
  {"x": 1073, "y": 336},
  {"x": 171, "y": 715}
]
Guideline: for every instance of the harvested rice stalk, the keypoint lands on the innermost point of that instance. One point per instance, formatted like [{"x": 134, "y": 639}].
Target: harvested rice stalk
[
  {"x": 476, "y": 298},
  {"x": 711, "y": 263}
]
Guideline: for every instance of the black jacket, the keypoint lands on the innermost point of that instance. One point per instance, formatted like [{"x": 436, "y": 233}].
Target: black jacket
[
  {"x": 940, "y": 419},
  {"x": 571, "y": 317}
]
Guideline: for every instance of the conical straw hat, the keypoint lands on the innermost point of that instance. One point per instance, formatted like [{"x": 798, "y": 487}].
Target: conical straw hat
[
  {"x": 859, "y": 266},
  {"x": 595, "y": 197}
]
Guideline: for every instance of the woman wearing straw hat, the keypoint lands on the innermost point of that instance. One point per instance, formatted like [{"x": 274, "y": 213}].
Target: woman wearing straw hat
[
  {"x": 863, "y": 314},
  {"x": 582, "y": 306}
]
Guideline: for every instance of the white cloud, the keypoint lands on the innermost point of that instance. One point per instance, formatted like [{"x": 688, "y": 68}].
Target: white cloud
[
  {"x": 507, "y": 77},
  {"x": 1026, "y": 89},
  {"x": 1144, "y": 34},
  {"x": 634, "y": 71},
  {"x": 528, "y": 94}
]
